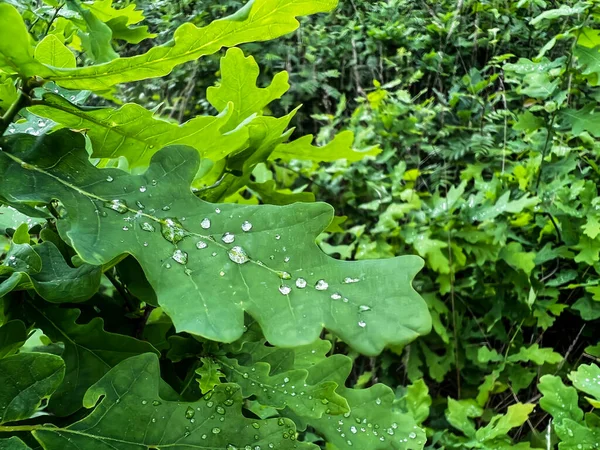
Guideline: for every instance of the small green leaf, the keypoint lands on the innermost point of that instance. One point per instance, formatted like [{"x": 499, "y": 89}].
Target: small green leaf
[
  {"x": 460, "y": 413},
  {"x": 238, "y": 86},
  {"x": 210, "y": 375},
  {"x": 26, "y": 379},
  {"x": 587, "y": 379},
  {"x": 515, "y": 257},
  {"x": 53, "y": 52},
  {"x": 536, "y": 355},
  {"x": 575, "y": 436},
  {"x": 128, "y": 397},
  {"x": 500, "y": 425},
  {"x": 418, "y": 401},
  {"x": 285, "y": 389},
  {"x": 339, "y": 148}
]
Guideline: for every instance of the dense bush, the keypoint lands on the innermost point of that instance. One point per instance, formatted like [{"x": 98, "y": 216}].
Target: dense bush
[{"x": 463, "y": 132}]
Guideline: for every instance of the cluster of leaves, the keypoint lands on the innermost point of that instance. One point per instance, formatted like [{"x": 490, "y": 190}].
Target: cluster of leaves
[
  {"x": 486, "y": 114},
  {"x": 157, "y": 289}
]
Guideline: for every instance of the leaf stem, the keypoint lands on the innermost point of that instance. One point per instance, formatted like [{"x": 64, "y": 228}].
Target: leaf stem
[{"x": 18, "y": 428}]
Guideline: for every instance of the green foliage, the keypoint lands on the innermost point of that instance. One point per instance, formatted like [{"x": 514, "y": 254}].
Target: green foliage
[{"x": 150, "y": 296}]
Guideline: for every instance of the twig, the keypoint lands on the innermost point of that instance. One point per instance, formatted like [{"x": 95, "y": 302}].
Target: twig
[{"x": 139, "y": 332}]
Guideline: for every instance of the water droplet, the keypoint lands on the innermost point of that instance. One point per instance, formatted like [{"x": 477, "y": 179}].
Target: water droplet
[
  {"x": 246, "y": 226},
  {"x": 166, "y": 208},
  {"x": 412, "y": 435},
  {"x": 238, "y": 255},
  {"x": 189, "y": 413},
  {"x": 201, "y": 244},
  {"x": 218, "y": 211},
  {"x": 228, "y": 402},
  {"x": 146, "y": 226},
  {"x": 156, "y": 403},
  {"x": 180, "y": 256},
  {"x": 168, "y": 266},
  {"x": 119, "y": 206},
  {"x": 285, "y": 290},
  {"x": 255, "y": 425},
  {"x": 205, "y": 223},
  {"x": 364, "y": 308},
  {"x": 336, "y": 296},
  {"x": 301, "y": 283},
  {"x": 284, "y": 275},
  {"x": 145, "y": 244},
  {"x": 216, "y": 430},
  {"x": 143, "y": 188},
  {"x": 362, "y": 324},
  {"x": 172, "y": 230},
  {"x": 220, "y": 410},
  {"x": 349, "y": 280},
  {"x": 321, "y": 285},
  {"x": 144, "y": 402},
  {"x": 153, "y": 420},
  {"x": 228, "y": 238},
  {"x": 286, "y": 259},
  {"x": 277, "y": 236},
  {"x": 378, "y": 401},
  {"x": 125, "y": 228},
  {"x": 110, "y": 179},
  {"x": 213, "y": 254}
]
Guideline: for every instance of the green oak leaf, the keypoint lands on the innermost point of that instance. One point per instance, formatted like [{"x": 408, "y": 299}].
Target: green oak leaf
[
  {"x": 460, "y": 413},
  {"x": 418, "y": 401},
  {"x": 127, "y": 398},
  {"x": 8, "y": 93},
  {"x": 258, "y": 20},
  {"x": 587, "y": 379},
  {"x": 559, "y": 400},
  {"x": 42, "y": 267},
  {"x": 239, "y": 75},
  {"x": 210, "y": 375},
  {"x": 26, "y": 379},
  {"x": 371, "y": 423},
  {"x": 285, "y": 389},
  {"x": 13, "y": 335},
  {"x": 260, "y": 259},
  {"x": 133, "y": 132},
  {"x": 339, "y": 148},
  {"x": 121, "y": 20},
  {"x": 10, "y": 218},
  {"x": 501, "y": 424},
  {"x": 13, "y": 443},
  {"x": 90, "y": 352},
  {"x": 575, "y": 436},
  {"x": 536, "y": 354}
]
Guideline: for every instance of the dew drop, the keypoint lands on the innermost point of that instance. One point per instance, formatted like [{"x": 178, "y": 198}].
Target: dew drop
[
  {"x": 336, "y": 296},
  {"x": 143, "y": 188},
  {"x": 205, "y": 223},
  {"x": 364, "y": 308},
  {"x": 238, "y": 255},
  {"x": 125, "y": 228},
  {"x": 216, "y": 430},
  {"x": 220, "y": 410},
  {"x": 110, "y": 179},
  {"x": 189, "y": 413},
  {"x": 218, "y": 211},
  {"x": 168, "y": 266},
  {"x": 172, "y": 230},
  {"x": 228, "y": 238},
  {"x": 228, "y": 402},
  {"x": 285, "y": 290},
  {"x": 301, "y": 283},
  {"x": 362, "y": 324},
  {"x": 321, "y": 285},
  {"x": 117, "y": 205},
  {"x": 412, "y": 435},
  {"x": 286, "y": 259},
  {"x": 246, "y": 226},
  {"x": 349, "y": 280},
  {"x": 144, "y": 402},
  {"x": 156, "y": 403},
  {"x": 166, "y": 208},
  {"x": 201, "y": 244},
  {"x": 255, "y": 425},
  {"x": 277, "y": 236},
  {"x": 180, "y": 256},
  {"x": 284, "y": 275},
  {"x": 146, "y": 226}
]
